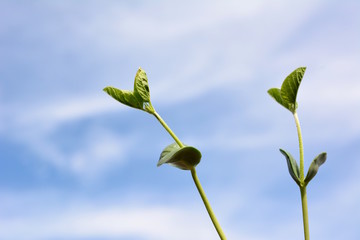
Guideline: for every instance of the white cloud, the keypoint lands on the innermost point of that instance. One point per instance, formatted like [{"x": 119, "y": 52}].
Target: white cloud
[
  {"x": 242, "y": 42},
  {"x": 261, "y": 31},
  {"x": 52, "y": 216},
  {"x": 49, "y": 115},
  {"x": 97, "y": 149},
  {"x": 102, "y": 150},
  {"x": 163, "y": 21},
  {"x": 85, "y": 219}
]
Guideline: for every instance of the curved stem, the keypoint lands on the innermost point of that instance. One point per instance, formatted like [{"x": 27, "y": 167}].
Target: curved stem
[
  {"x": 177, "y": 140},
  {"x": 207, "y": 205},
  {"x": 302, "y": 184}
]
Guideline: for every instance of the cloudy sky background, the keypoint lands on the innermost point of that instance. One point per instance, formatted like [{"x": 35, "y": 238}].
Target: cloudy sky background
[{"x": 75, "y": 164}]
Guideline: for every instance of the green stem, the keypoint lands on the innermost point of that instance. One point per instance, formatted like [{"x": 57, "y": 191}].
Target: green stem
[
  {"x": 302, "y": 183},
  {"x": 195, "y": 178},
  {"x": 305, "y": 213},
  {"x": 177, "y": 140},
  {"x": 301, "y": 147},
  {"x": 207, "y": 205}
]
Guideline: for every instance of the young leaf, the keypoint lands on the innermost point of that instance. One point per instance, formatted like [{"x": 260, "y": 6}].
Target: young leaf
[
  {"x": 292, "y": 166},
  {"x": 275, "y": 93},
  {"x": 138, "y": 98},
  {"x": 290, "y": 87},
  {"x": 124, "y": 96},
  {"x": 286, "y": 96},
  {"x": 184, "y": 158},
  {"x": 141, "y": 85},
  {"x": 314, "y": 167}
]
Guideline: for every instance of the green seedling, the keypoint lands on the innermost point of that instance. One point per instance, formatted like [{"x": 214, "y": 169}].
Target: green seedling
[
  {"x": 176, "y": 154},
  {"x": 286, "y": 96}
]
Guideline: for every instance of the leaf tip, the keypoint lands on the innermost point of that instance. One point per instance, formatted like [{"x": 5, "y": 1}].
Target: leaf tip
[
  {"x": 322, "y": 158},
  {"x": 141, "y": 70},
  {"x": 314, "y": 166}
]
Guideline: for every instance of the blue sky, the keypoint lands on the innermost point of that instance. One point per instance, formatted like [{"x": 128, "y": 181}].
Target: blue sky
[{"x": 75, "y": 164}]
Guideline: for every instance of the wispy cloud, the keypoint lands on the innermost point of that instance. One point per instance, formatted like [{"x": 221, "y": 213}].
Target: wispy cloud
[
  {"x": 84, "y": 219},
  {"x": 50, "y": 114},
  {"x": 190, "y": 50},
  {"x": 138, "y": 217},
  {"x": 96, "y": 149}
]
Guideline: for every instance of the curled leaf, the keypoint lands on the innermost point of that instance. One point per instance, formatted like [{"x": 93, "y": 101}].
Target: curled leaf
[
  {"x": 314, "y": 167},
  {"x": 138, "y": 98},
  {"x": 292, "y": 166},
  {"x": 276, "y": 94},
  {"x": 184, "y": 158},
  {"x": 290, "y": 87},
  {"x": 124, "y": 96},
  {"x": 141, "y": 85},
  {"x": 286, "y": 96}
]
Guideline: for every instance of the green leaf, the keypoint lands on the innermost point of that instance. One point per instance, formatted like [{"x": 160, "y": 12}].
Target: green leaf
[
  {"x": 138, "y": 98},
  {"x": 124, "y": 96},
  {"x": 141, "y": 85},
  {"x": 292, "y": 166},
  {"x": 275, "y": 93},
  {"x": 286, "y": 96},
  {"x": 290, "y": 87},
  {"x": 184, "y": 158},
  {"x": 314, "y": 167}
]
